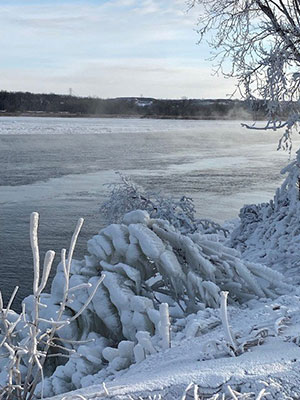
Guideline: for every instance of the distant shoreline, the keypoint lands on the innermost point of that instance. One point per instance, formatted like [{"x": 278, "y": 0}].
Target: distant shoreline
[
  {"x": 20, "y": 104},
  {"x": 119, "y": 116}
]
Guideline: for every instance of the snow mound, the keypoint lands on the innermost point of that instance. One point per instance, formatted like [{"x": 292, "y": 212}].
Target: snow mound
[
  {"x": 273, "y": 365},
  {"x": 269, "y": 233}
]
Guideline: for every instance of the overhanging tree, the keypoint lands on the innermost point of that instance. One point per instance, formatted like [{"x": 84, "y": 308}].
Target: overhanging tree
[{"x": 261, "y": 41}]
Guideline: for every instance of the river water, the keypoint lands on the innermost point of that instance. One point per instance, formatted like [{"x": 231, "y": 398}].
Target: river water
[{"x": 60, "y": 168}]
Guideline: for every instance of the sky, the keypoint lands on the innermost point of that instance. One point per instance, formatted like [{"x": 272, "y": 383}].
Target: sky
[{"x": 106, "y": 48}]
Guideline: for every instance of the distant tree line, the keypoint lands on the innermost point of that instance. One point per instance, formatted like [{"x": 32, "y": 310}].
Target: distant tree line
[{"x": 64, "y": 105}]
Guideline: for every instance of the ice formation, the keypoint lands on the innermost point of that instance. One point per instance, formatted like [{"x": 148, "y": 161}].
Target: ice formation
[
  {"x": 269, "y": 233},
  {"x": 150, "y": 269}
]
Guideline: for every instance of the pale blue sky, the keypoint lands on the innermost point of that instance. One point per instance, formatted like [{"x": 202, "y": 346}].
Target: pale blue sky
[{"x": 105, "y": 48}]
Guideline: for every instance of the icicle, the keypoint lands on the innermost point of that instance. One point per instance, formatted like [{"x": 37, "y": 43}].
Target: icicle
[
  {"x": 139, "y": 353},
  {"x": 165, "y": 325},
  {"x": 224, "y": 319},
  {"x": 34, "y": 223},
  {"x": 49, "y": 257}
]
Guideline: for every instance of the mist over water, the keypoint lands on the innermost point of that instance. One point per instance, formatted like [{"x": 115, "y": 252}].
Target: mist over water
[{"x": 59, "y": 167}]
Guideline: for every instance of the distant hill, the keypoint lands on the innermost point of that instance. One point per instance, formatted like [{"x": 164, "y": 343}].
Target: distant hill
[{"x": 26, "y": 103}]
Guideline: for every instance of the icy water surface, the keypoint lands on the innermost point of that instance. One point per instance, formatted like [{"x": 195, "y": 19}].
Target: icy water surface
[{"x": 59, "y": 167}]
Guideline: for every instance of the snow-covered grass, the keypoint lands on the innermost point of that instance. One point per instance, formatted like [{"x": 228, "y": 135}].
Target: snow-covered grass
[
  {"x": 159, "y": 325},
  {"x": 29, "y": 341}
]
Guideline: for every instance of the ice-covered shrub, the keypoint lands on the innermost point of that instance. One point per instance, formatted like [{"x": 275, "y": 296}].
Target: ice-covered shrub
[
  {"x": 126, "y": 196},
  {"x": 190, "y": 269},
  {"x": 270, "y": 232},
  {"x": 146, "y": 262},
  {"x": 150, "y": 267},
  {"x": 29, "y": 344}
]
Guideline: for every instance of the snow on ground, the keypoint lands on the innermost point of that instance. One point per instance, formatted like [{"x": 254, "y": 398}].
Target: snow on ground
[{"x": 274, "y": 364}]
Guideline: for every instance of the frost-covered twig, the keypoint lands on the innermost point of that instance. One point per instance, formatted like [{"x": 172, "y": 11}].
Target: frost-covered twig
[
  {"x": 88, "y": 300},
  {"x": 126, "y": 196},
  {"x": 33, "y": 351},
  {"x": 187, "y": 389},
  {"x": 225, "y": 323},
  {"x": 59, "y": 323}
]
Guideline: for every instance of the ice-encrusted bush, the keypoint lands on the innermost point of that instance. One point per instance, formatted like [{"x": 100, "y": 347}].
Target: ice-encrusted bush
[
  {"x": 191, "y": 269},
  {"x": 126, "y": 196},
  {"x": 151, "y": 270},
  {"x": 270, "y": 232},
  {"x": 146, "y": 262}
]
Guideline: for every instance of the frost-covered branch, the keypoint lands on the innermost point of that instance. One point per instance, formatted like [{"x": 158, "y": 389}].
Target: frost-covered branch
[
  {"x": 260, "y": 39},
  {"x": 126, "y": 196},
  {"x": 23, "y": 336}
]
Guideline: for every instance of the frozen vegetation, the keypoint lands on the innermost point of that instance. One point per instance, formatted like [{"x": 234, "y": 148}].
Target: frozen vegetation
[{"x": 164, "y": 306}]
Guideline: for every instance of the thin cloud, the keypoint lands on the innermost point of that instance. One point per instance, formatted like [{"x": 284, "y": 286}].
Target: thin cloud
[
  {"x": 135, "y": 77},
  {"x": 138, "y": 46},
  {"x": 147, "y": 7}
]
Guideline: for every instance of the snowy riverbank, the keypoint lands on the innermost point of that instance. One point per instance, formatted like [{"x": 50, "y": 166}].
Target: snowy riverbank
[
  {"x": 162, "y": 266},
  {"x": 268, "y": 367}
]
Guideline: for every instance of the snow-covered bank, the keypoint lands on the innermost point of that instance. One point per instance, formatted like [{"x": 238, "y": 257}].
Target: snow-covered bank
[
  {"x": 153, "y": 266},
  {"x": 270, "y": 327},
  {"x": 270, "y": 232},
  {"x": 274, "y": 364}
]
